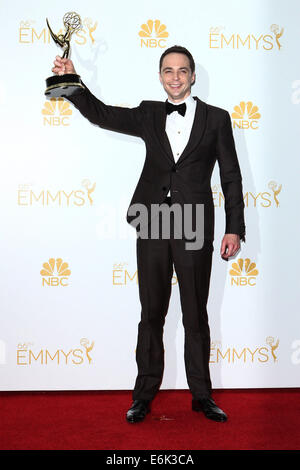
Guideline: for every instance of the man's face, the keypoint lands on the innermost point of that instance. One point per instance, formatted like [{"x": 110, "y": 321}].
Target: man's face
[{"x": 176, "y": 76}]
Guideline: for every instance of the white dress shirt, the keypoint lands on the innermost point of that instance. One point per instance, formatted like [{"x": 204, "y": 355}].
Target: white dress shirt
[{"x": 178, "y": 128}]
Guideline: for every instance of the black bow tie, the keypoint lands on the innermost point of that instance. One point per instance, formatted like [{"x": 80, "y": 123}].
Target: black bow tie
[{"x": 170, "y": 107}]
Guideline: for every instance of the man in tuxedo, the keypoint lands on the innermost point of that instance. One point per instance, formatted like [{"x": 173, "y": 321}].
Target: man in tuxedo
[{"x": 184, "y": 138}]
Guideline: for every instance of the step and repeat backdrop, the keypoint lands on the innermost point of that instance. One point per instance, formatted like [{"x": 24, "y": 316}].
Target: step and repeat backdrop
[{"x": 69, "y": 281}]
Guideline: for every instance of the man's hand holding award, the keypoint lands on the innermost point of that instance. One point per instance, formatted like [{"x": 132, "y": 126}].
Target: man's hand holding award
[{"x": 66, "y": 81}]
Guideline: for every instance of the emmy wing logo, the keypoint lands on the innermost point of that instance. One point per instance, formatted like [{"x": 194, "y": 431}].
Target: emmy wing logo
[
  {"x": 245, "y": 115},
  {"x": 153, "y": 34},
  {"x": 234, "y": 354},
  {"x": 88, "y": 348},
  {"x": 47, "y": 197},
  {"x": 91, "y": 26},
  {"x": 30, "y": 355},
  {"x": 273, "y": 346},
  {"x": 276, "y": 188},
  {"x": 254, "y": 199},
  {"x": 29, "y": 32},
  {"x": 221, "y": 39},
  {"x": 123, "y": 276},
  {"x": 277, "y": 34},
  {"x": 55, "y": 272},
  {"x": 243, "y": 273},
  {"x": 56, "y": 112}
]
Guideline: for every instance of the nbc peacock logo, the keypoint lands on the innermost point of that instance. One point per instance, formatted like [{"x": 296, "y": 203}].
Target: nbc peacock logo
[
  {"x": 243, "y": 272},
  {"x": 153, "y": 34},
  {"x": 245, "y": 115},
  {"x": 56, "y": 112},
  {"x": 55, "y": 273}
]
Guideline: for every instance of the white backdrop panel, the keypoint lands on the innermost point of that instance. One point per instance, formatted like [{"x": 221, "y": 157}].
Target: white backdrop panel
[{"x": 63, "y": 199}]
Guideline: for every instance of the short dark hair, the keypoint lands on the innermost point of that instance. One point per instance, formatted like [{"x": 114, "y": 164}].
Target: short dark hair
[{"x": 179, "y": 50}]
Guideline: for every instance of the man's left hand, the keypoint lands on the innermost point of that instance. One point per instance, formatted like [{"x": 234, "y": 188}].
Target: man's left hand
[{"x": 230, "y": 245}]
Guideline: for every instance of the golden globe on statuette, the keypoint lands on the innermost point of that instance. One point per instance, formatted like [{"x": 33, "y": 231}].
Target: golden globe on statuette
[{"x": 64, "y": 85}]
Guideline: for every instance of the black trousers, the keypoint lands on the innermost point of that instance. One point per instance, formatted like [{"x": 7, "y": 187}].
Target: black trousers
[{"x": 155, "y": 261}]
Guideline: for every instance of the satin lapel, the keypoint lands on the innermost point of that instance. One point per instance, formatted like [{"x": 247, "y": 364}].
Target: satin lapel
[
  {"x": 197, "y": 131},
  {"x": 160, "y": 127}
]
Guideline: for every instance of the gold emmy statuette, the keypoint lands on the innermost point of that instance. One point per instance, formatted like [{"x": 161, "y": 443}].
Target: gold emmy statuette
[{"x": 64, "y": 85}]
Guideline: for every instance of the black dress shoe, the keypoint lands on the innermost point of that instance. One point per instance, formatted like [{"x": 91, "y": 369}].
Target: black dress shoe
[
  {"x": 138, "y": 411},
  {"x": 210, "y": 409}
]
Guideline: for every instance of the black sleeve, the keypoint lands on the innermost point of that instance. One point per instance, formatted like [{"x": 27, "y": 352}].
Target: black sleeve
[
  {"x": 231, "y": 179},
  {"x": 114, "y": 118}
]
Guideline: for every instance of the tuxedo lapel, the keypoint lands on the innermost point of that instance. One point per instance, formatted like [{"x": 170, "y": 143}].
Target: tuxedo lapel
[
  {"x": 160, "y": 127},
  {"x": 197, "y": 131}
]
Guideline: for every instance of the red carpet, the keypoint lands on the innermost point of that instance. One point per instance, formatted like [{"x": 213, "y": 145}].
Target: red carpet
[{"x": 258, "y": 420}]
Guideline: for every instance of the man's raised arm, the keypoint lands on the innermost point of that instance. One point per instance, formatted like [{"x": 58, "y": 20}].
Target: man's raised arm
[{"x": 114, "y": 118}]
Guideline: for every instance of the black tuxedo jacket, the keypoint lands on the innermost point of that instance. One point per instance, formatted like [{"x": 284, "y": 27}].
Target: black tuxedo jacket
[{"x": 188, "y": 179}]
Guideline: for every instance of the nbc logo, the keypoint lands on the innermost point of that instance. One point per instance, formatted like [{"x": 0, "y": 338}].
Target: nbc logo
[
  {"x": 243, "y": 273},
  {"x": 153, "y": 34},
  {"x": 56, "y": 112},
  {"x": 245, "y": 115},
  {"x": 55, "y": 273}
]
